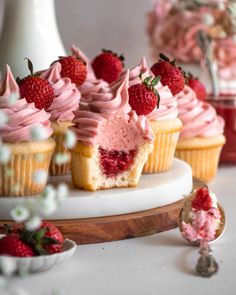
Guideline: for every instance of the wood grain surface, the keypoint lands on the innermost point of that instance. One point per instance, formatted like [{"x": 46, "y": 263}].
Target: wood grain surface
[{"x": 119, "y": 227}]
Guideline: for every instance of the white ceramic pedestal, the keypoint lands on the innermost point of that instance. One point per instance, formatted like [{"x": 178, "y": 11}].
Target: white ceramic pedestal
[
  {"x": 29, "y": 30},
  {"x": 154, "y": 190}
]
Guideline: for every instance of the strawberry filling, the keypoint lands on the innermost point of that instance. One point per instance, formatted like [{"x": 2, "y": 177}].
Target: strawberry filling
[
  {"x": 115, "y": 162},
  {"x": 202, "y": 200}
]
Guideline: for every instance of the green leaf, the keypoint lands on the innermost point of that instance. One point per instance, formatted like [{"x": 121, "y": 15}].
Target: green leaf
[
  {"x": 147, "y": 80},
  {"x": 40, "y": 234},
  {"x": 49, "y": 241},
  {"x": 40, "y": 250},
  {"x": 155, "y": 81}
]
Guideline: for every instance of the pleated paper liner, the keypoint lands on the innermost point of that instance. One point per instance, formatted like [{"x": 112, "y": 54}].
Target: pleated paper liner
[
  {"x": 202, "y": 154},
  {"x": 166, "y": 136},
  {"x": 17, "y": 176}
]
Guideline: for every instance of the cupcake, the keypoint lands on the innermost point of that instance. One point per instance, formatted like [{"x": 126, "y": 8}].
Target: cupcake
[
  {"x": 66, "y": 100},
  {"x": 91, "y": 84},
  {"x": 27, "y": 156},
  {"x": 201, "y": 138},
  {"x": 163, "y": 120},
  {"x": 113, "y": 142}
]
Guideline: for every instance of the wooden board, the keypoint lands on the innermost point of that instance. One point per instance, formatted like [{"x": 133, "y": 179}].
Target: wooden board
[{"x": 113, "y": 228}]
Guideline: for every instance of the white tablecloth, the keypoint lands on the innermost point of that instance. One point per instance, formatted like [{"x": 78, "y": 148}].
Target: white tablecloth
[{"x": 158, "y": 264}]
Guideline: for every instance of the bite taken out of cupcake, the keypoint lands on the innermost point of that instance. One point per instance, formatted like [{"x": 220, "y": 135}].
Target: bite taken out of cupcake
[
  {"x": 201, "y": 138},
  {"x": 113, "y": 142},
  {"x": 66, "y": 100},
  {"x": 29, "y": 154}
]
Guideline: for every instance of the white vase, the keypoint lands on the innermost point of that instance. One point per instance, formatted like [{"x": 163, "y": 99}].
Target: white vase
[{"x": 29, "y": 30}]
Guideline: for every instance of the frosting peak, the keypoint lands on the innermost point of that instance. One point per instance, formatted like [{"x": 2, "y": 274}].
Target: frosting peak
[
  {"x": 67, "y": 96},
  {"x": 8, "y": 85},
  {"x": 23, "y": 116},
  {"x": 104, "y": 101},
  {"x": 199, "y": 118}
]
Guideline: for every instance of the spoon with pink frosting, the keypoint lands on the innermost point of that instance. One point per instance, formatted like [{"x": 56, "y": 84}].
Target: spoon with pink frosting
[{"x": 202, "y": 222}]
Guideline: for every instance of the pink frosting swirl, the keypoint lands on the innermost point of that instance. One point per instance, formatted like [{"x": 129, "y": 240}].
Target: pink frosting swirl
[
  {"x": 104, "y": 101},
  {"x": 67, "y": 95},
  {"x": 91, "y": 84},
  {"x": 168, "y": 104},
  {"x": 119, "y": 131},
  {"x": 199, "y": 118},
  {"x": 22, "y": 116}
]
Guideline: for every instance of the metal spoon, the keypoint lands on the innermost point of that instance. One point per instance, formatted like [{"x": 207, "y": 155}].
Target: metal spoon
[{"x": 206, "y": 264}]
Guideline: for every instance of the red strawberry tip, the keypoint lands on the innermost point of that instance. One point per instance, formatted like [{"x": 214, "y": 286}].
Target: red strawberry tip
[{"x": 121, "y": 56}]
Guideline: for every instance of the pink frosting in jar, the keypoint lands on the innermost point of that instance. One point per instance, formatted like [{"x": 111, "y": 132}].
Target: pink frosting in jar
[
  {"x": 198, "y": 118},
  {"x": 104, "y": 101},
  {"x": 67, "y": 95},
  {"x": 23, "y": 116}
]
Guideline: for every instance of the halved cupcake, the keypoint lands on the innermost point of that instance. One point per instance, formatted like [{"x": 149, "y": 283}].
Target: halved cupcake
[{"x": 113, "y": 143}]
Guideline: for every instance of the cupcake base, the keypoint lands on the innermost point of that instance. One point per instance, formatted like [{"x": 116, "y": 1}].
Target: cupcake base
[
  {"x": 17, "y": 176},
  {"x": 166, "y": 137},
  {"x": 202, "y": 154},
  {"x": 87, "y": 173},
  {"x": 59, "y": 137}
]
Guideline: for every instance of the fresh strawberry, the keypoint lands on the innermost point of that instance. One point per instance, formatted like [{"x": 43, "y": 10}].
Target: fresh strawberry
[
  {"x": 143, "y": 98},
  {"x": 108, "y": 66},
  {"x": 53, "y": 233},
  {"x": 45, "y": 240},
  {"x": 36, "y": 89},
  {"x": 170, "y": 74},
  {"x": 12, "y": 245},
  {"x": 198, "y": 87},
  {"x": 73, "y": 68},
  {"x": 202, "y": 200}
]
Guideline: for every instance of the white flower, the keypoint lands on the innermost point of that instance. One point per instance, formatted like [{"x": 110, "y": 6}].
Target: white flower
[
  {"x": 61, "y": 158},
  {"x": 208, "y": 19},
  {"x": 3, "y": 118},
  {"x": 48, "y": 207},
  {"x": 62, "y": 192},
  {"x": 70, "y": 139},
  {"x": 20, "y": 213},
  {"x": 13, "y": 97},
  {"x": 47, "y": 202},
  {"x": 7, "y": 266},
  {"x": 38, "y": 132},
  {"x": 33, "y": 223},
  {"x": 40, "y": 176},
  {"x": 5, "y": 154}
]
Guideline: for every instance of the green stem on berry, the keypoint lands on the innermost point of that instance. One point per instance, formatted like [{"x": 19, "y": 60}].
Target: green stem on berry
[{"x": 30, "y": 65}]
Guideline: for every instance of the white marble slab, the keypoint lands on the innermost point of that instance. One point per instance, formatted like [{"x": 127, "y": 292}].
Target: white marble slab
[{"x": 154, "y": 190}]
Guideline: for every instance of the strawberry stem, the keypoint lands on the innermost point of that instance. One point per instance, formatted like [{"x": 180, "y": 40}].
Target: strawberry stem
[{"x": 30, "y": 65}]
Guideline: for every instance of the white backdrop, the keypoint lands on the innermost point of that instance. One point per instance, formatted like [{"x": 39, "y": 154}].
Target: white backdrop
[{"x": 112, "y": 24}]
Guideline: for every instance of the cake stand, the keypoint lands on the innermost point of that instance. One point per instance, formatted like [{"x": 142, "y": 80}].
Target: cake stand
[{"x": 115, "y": 214}]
